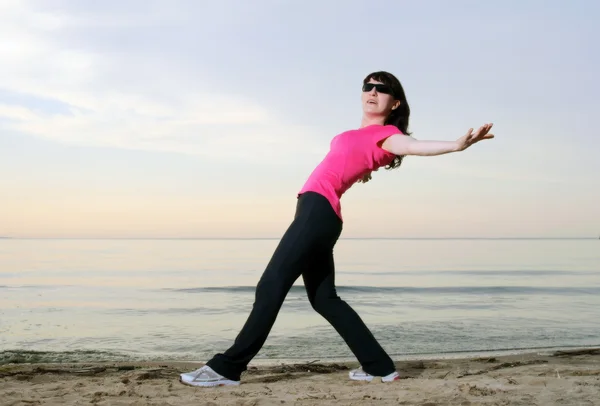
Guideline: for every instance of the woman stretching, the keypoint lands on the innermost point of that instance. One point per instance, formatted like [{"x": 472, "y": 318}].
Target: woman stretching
[{"x": 306, "y": 248}]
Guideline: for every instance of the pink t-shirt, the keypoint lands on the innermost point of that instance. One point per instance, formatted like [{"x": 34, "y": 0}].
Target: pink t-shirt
[{"x": 352, "y": 154}]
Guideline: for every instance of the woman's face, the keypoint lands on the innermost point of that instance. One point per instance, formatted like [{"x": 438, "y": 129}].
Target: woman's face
[{"x": 377, "y": 99}]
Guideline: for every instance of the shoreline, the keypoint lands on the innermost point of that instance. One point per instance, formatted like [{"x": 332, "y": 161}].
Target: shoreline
[
  {"x": 26, "y": 356},
  {"x": 556, "y": 377}
]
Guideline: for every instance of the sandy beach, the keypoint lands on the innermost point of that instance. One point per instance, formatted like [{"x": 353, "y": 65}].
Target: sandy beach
[{"x": 558, "y": 378}]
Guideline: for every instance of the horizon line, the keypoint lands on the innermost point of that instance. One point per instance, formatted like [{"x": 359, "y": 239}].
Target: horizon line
[{"x": 279, "y": 237}]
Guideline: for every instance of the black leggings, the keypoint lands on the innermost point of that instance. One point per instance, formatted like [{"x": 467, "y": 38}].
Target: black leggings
[{"x": 305, "y": 249}]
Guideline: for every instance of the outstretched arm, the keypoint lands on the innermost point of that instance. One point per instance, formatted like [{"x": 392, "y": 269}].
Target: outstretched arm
[{"x": 405, "y": 145}]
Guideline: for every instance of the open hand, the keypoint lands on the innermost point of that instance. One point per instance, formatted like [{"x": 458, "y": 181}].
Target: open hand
[{"x": 471, "y": 137}]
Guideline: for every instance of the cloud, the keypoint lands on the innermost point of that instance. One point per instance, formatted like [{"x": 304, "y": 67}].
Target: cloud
[
  {"x": 17, "y": 113},
  {"x": 132, "y": 100}
]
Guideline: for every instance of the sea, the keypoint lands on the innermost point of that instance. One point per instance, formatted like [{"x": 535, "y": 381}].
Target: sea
[{"x": 68, "y": 300}]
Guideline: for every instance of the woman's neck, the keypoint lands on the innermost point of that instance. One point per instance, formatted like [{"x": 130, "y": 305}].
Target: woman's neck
[{"x": 367, "y": 121}]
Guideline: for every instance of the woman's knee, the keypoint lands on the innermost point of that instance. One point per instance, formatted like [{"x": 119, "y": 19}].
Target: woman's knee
[
  {"x": 271, "y": 289},
  {"x": 325, "y": 302}
]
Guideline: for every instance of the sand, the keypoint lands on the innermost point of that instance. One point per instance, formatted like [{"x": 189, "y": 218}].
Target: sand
[{"x": 559, "y": 378}]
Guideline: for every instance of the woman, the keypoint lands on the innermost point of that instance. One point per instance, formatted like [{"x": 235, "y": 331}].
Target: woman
[{"x": 306, "y": 248}]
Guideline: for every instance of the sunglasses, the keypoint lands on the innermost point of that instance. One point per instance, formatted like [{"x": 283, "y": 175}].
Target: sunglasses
[{"x": 381, "y": 88}]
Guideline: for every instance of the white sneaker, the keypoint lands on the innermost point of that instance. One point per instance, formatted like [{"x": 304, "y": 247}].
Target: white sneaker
[
  {"x": 205, "y": 376},
  {"x": 360, "y": 375}
]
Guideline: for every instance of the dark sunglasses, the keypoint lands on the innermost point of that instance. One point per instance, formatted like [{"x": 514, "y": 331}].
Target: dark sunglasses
[{"x": 381, "y": 88}]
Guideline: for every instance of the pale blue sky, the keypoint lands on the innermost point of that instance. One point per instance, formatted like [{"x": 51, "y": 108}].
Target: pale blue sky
[{"x": 192, "y": 118}]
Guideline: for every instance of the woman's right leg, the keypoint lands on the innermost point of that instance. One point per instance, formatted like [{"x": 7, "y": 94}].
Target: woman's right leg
[{"x": 284, "y": 268}]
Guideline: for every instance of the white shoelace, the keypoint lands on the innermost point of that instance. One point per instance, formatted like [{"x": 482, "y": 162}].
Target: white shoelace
[{"x": 207, "y": 374}]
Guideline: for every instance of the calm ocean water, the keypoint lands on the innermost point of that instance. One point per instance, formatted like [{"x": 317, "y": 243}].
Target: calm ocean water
[{"x": 187, "y": 299}]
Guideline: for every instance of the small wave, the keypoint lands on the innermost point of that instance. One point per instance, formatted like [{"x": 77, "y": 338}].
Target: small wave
[
  {"x": 34, "y": 286},
  {"x": 474, "y": 290},
  {"x": 228, "y": 309},
  {"x": 32, "y": 356},
  {"x": 490, "y": 273}
]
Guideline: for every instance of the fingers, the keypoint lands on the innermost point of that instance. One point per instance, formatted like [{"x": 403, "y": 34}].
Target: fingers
[
  {"x": 483, "y": 130},
  {"x": 472, "y": 137},
  {"x": 485, "y": 137}
]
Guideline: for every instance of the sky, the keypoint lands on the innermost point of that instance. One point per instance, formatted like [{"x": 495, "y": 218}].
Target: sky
[{"x": 183, "y": 119}]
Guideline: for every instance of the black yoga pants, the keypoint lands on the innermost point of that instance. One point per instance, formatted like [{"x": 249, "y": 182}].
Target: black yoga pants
[{"x": 306, "y": 249}]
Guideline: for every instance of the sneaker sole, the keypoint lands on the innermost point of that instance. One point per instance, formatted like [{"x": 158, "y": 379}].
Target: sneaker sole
[
  {"x": 209, "y": 384},
  {"x": 361, "y": 378},
  {"x": 370, "y": 379}
]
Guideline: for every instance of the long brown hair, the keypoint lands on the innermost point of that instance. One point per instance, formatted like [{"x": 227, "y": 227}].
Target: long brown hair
[{"x": 401, "y": 115}]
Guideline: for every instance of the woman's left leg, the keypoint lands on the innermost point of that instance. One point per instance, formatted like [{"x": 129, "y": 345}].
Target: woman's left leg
[{"x": 319, "y": 279}]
